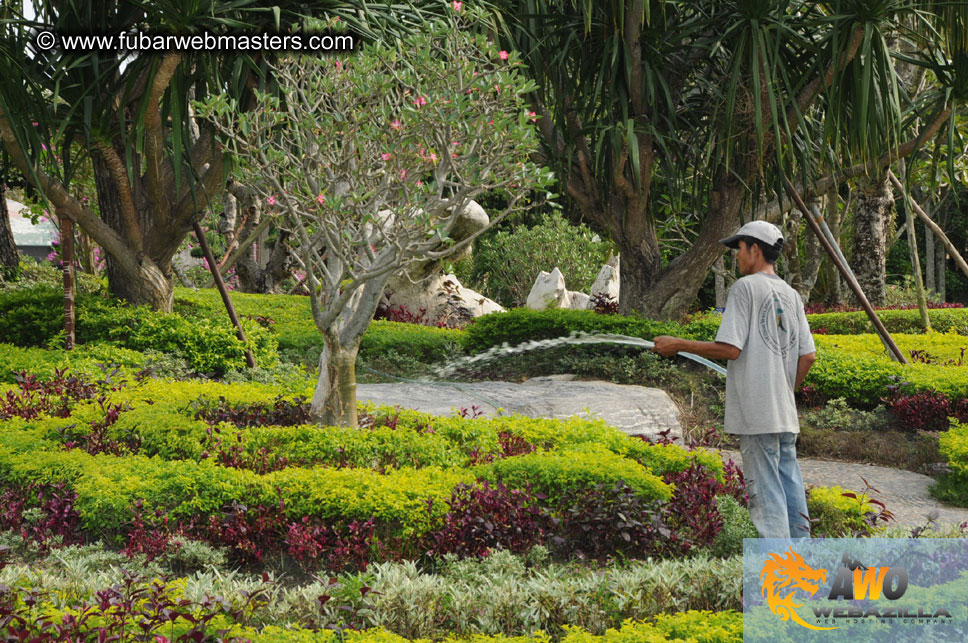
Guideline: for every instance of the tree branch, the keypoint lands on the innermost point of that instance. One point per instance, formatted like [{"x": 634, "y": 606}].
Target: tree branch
[
  {"x": 52, "y": 189},
  {"x": 771, "y": 211},
  {"x": 119, "y": 173},
  {"x": 155, "y": 138}
]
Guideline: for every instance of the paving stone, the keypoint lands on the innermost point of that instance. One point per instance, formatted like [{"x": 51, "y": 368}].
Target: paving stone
[{"x": 905, "y": 493}]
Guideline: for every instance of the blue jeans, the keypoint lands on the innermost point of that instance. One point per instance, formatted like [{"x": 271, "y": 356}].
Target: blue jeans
[{"x": 778, "y": 503}]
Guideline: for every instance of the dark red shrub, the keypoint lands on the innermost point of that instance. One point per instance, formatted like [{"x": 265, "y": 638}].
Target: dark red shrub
[
  {"x": 96, "y": 439},
  {"x": 607, "y": 521},
  {"x": 310, "y": 543},
  {"x": 54, "y": 397},
  {"x": 692, "y": 512},
  {"x": 604, "y": 304},
  {"x": 926, "y": 410},
  {"x": 251, "y": 533},
  {"x": 55, "y": 517},
  {"x": 280, "y": 412},
  {"x": 150, "y": 536},
  {"x": 485, "y": 517}
]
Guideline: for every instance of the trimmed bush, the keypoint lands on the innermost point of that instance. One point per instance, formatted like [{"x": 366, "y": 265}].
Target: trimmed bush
[
  {"x": 943, "y": 320},
  {"x": 953, "y": 445},
  {"x": 202, "y": 456},
  {"x": 836, "y": 512},
  {"x": 523, "y": 325},
  {"x": 556, "y": 474},
  {"x": 34, "y": 317}
]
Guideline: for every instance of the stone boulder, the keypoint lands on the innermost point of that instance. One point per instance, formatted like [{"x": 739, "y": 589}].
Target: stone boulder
[
  {"x": 579, "y": 300},
  {"x": 426, "y": 287},
  {"x": 607, "y": 282},
  {"x": 548, "y": 291}
]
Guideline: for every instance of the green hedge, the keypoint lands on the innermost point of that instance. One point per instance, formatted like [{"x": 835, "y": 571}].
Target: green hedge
[
  {"x": 34, "y": 317},
  {"x": 386, "y": 472},
  {"x": 943, "y": 320},
  {"x": 83, "y": 359},
  {"x": 522, "y": 325},
  {"x": 857, "y": 368}
]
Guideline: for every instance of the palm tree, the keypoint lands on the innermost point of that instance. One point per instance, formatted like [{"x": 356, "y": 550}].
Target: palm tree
[
  {"x": 705, "y": 106},
  {"x": 129, "y": 112}
]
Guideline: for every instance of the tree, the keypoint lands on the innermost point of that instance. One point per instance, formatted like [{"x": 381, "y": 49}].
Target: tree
[
  {"x": 370, "y": 159},
  {"x": 714, "y": 101},
  {"x": 129, "y": 111},
  {"x": 9, "y": 257}
]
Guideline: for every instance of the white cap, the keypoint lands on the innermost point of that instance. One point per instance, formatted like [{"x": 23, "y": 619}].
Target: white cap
[{"x": 762, "y": 230}]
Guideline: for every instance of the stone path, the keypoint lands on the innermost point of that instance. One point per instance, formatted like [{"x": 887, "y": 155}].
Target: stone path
[
  {"x": 903, "y": 492},
  {"x": 641, "y": 410}
]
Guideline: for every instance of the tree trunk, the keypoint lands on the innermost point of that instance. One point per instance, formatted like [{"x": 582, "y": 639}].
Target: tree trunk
[
  {"x": 334, "y": 401},
  {"x": 929, "y": 259},
  {"x": 941, "y": 260},
  {"x": 669, "y": 293},
  {"x": 811, "y": 269},
  {"x": 720, "y": 281},
  {"x": 834, "y": 217},
  {"x": 791, "y": 250},
  {"x": 871, "y": 220},
  {"x": 153, "y": 285},
  {"x": 9, "y": 257}
]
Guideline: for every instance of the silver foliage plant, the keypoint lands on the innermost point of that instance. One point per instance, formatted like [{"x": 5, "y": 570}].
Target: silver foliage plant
[{"x": 369, "y": 157}]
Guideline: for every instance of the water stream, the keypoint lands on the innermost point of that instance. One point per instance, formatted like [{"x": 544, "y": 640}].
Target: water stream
[{"x": 576, "y": 338}]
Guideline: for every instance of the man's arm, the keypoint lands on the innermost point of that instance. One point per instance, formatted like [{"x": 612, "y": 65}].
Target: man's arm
[
  {"x": 668, "y": 346},
  {"x": 803, "y": 367}
]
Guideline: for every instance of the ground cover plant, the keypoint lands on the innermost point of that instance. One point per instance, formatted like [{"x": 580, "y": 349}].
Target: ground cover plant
[{"x": 158, "y": 469}]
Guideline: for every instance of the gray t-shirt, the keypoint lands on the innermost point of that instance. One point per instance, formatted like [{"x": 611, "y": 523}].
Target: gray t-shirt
[{"x": 765, "y": 319}]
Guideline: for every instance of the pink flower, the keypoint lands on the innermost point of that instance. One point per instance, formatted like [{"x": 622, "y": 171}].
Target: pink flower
[
  {"x": 385, "y": 156},
  {"x": 533, "y": 116},
  {"x": 320, "y": 199},
  {"x": 420, "y": 101},
  {"x": 403, "y": 174},
  {"x": 271, "y": 200},
  {"x": 503, "y": 55},
  {"x": 419, "y": 183},
  {"x": 397, "y": 125},
  {"x": 457, "y": 5},
  {"x": 433, "y": 157}
]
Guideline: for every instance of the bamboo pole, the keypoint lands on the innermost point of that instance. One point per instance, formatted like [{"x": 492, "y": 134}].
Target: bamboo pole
[
  {"x": 229, "y": 261},
  {"x": 200, "y": 235},
  {"x": 915, "y": 259},
  {"x": 848, "y": 275}
]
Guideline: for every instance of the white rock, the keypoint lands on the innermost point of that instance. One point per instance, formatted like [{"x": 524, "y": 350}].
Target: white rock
[
  {"x": 440, "y": 296},
  {"x": 548, "y": 291},
  {"x": 578, "y": 300},
  {"x": 607, "y": 281}
]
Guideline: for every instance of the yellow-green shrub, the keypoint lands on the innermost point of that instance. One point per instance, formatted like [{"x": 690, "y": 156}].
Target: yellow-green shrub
[
  {"x": 558, "y": 473},
  {"x": 836, "y": 514},
  {"x": 953, "y": 445}
]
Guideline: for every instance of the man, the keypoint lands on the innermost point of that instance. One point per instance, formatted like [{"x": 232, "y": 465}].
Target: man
[{"x": 765, "y": 336}]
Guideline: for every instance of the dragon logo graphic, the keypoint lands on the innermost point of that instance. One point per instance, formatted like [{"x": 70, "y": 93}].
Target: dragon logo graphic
[{"x": 789, "y": 571}]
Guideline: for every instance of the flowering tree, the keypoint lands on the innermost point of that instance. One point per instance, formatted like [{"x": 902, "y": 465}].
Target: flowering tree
[{"x": 369, "y": 158}]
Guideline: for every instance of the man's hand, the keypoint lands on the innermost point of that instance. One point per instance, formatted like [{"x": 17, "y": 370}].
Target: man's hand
[{"x": 666, "y": 346}]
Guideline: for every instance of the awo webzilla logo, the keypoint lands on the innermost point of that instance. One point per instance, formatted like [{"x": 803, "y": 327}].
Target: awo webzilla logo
[{"x": 784, "y": 575}]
